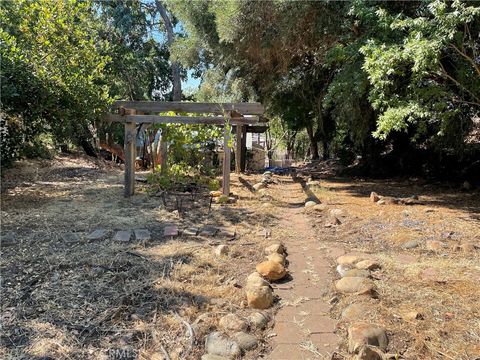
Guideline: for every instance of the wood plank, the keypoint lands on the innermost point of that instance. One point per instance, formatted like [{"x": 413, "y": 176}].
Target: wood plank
[
  {"x": 238, "y": 149},
  {"x": 252, "y": 108},
  {"x": 255, "y": 129},
  {"x": 157, "y": 119},
  {"x": 226, "y": 162},
  {"x": 130, "y": 139}
]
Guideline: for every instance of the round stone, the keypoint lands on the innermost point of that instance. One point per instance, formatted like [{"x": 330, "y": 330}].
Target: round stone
[
  {"x": 368, "y": 265},
  {"x": 278, "y": 258},
  {"x": 354, "y": 285},
  {"x": 259, "y": 297},
  {"x": 258, "y": 320},
  {"x": 362, "y": 334},
  {"x": 271, "y": 270},
  {"x": 275, "y": 248},
  {"x": 255, "y": 280},
  {"x": 232, "y": 322},
  {"x": 348, "y": 260},
  {"x": 218, "y": 344},
  {"x": 245, "y": 341}
]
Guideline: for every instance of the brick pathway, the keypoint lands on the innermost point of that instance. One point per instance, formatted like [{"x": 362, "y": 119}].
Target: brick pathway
[{"x": 302, "y": 326}]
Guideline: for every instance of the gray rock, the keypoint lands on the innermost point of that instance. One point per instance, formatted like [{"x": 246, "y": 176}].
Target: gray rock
[
  {"x": 192, "y": 231},
  {"x": 232, "y": 322},
  {"x": 170, "y": 230},
  {"x": 218, "y": 344},
  {"x": 209, "y": 231},
  {"x": 123, "y": 235},
  {"x": 142, "y": 234},
  {"x": 412, "y": 244},
  {"x": 7, "y": 239},
  {"x": 225, "y": 232},
  {"x": 98, "y": 234},
  {"x": 357, "y": 273},
  {"x": 310, "y": 203},
  {"x": 71, "y": 238},
  {"x": 258, "y": 320},
  {"x": 245, "y": 341},
  {"x": 355, "y": 285}
]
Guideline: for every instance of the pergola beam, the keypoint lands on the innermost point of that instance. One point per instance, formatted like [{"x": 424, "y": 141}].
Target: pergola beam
[
  {"x": 159, "y": 119},
  {"x": 191, "y": 107}
]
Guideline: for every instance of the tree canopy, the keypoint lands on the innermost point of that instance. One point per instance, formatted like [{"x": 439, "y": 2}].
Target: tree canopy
[{"x": 360, "y": 78}]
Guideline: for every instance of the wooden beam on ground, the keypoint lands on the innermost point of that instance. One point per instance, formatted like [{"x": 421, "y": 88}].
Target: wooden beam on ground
[
  {"x": 226, "y": 161},
  {"x": 238, "y": 149},
  {"x": 130, "y": 140},
  {"x": 243, "y": 152},
  {"x": 157, "y": 119},
  {"x": 191, "y": 107}
]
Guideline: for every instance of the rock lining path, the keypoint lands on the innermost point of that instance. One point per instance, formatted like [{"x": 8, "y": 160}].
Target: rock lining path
[{"x": 303, "y": 327}]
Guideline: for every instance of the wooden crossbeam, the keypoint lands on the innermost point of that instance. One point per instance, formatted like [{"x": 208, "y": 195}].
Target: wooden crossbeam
[
  {"x": 191, "y": 107},
  {"x": 255, "y": 129},
  {"x": 158, "y": 119}
]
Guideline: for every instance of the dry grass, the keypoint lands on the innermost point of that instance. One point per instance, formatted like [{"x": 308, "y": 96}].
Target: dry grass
[
  {"x": 104, "y": 299},
  {"x": 442, "y": 287}
]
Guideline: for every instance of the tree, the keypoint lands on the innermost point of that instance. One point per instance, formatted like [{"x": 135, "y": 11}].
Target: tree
[{"x": 52, "y": 69}]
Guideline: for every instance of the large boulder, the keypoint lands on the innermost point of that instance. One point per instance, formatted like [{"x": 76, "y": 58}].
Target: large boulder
[{"x": 271, "y": 270}]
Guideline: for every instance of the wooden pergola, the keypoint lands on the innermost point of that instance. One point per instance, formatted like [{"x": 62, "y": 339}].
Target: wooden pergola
[{"x": 243, "y": 117}]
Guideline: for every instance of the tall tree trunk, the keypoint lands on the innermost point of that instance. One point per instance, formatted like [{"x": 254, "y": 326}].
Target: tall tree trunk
[
  {"x": 177, "y": 84},
  {"x": 325, "y": 154},
  {"x": 313, "y": 142}
]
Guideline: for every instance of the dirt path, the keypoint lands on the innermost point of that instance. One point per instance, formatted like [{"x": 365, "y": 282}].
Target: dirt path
[{"x": 302, "y": 326}]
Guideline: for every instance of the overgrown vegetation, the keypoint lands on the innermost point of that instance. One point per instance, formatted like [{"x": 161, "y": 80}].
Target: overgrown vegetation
[{"x": 368, "y": 79}]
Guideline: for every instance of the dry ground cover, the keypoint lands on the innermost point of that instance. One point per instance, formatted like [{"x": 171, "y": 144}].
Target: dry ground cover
[
  {"x": 105, "y": 299},
  {"x": 99, "y": 299},
  {"x": 441, "y": 285}
]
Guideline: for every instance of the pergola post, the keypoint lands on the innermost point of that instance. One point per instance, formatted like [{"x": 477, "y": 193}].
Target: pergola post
[
  {"x": 226, "y": 160},
  {"x": 163, "y": 151},
  {"x": 243, "y": 152},
  {"x": 238, "y": 149},
  {"x": 130, "y": 142}
]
